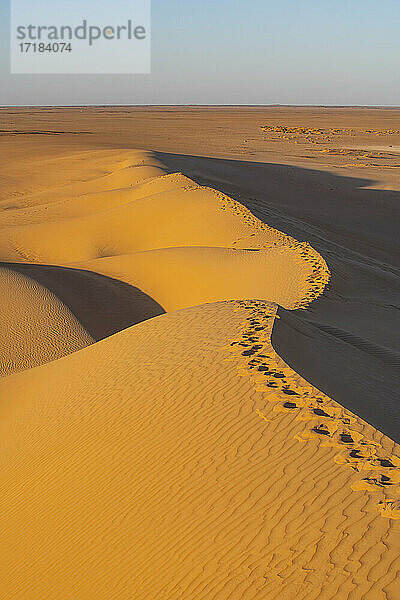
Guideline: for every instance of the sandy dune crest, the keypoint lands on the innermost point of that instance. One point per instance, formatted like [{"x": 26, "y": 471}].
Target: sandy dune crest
[
  {"x": 158, "y": 211},
  {"x": 180, "y": 243}
]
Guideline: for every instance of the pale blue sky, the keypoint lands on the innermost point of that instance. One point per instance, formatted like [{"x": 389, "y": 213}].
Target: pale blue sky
[{"x": 241, "y": 52}]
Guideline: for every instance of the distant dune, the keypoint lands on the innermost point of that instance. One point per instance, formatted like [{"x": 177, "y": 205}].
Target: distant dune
[{"x": 153, "y": 443}]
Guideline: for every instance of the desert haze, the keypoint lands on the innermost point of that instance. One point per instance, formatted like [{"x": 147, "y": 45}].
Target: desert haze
[{"x": 199, "y": 355}]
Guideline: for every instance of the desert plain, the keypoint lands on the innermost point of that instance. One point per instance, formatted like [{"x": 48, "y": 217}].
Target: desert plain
[{"x": 199, "y": 353}]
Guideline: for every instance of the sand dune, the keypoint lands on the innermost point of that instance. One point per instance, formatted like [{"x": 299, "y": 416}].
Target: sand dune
[
  {"x": 147, "y": 466},
  {"x": 187, "y": 276},
  {"x": 179, "y": 212},
  {"x": 181, "y": 457},
  {"x": 26, "y": 186},
  {"x": 101, "y": 304},
  {"x": 56, "y": 206},
  {"x": 347, "y": 339},
  {"x": 195, "y": 234},
  {"x": 48, "y": 312},
  {"x": 36, "y": 326}
]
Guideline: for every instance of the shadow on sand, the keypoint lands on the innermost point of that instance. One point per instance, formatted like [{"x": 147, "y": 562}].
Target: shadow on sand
[
  {"x": 101, "y": 304},
  {"x": 346, "y": 343}
]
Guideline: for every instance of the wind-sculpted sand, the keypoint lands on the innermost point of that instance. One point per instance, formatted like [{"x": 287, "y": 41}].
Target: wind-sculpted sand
[
  {"x": 36, "y": 326},
  {"x": 180, "y": 457}
]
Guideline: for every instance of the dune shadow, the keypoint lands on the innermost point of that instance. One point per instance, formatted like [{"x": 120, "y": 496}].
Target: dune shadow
[
  {"x": 101, "y": 304},
  {"x": 346, "y": 342},
  {"x": 322, "y": 207}
]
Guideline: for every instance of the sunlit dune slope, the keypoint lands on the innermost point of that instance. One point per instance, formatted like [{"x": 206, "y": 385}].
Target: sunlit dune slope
[
  {"x": 181, "y": 243},
  {"x": 35, "y": 325},
  {"x": 188, "y": 215},
  {"x": 69, "y": 173},
  {"x": 147, "y": 466},
  {"x": 59, "y": 204},
  {"x": 173, "y": 243},
  {"x": 187, "y": 276}
]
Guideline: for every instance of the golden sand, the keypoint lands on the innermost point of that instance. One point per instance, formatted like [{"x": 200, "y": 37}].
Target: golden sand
[
  {"x": 181, "y": 457},
  {"x": 36, "y": 326}
]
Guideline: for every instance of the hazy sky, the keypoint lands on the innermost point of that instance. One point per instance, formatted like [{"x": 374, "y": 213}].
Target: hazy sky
[{"x": 241, "y": 52}]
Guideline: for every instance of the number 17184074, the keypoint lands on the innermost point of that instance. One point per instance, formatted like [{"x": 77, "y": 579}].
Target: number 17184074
[{"x": 51, "y": 47}]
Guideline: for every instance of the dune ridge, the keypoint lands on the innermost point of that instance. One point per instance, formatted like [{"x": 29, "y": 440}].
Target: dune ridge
[
  {"x": 326, "y": 419},
  {"x": 133, "y": 222},
  {"x": 202, "y": 218},
  {"x": 180, "y": 457}
]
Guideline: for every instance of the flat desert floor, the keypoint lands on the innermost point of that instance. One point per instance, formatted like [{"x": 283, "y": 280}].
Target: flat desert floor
[{"x": 199, "y": 353}]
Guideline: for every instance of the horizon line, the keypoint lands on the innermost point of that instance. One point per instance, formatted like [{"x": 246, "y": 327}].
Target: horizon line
[{"x": 202, "y": 105}]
